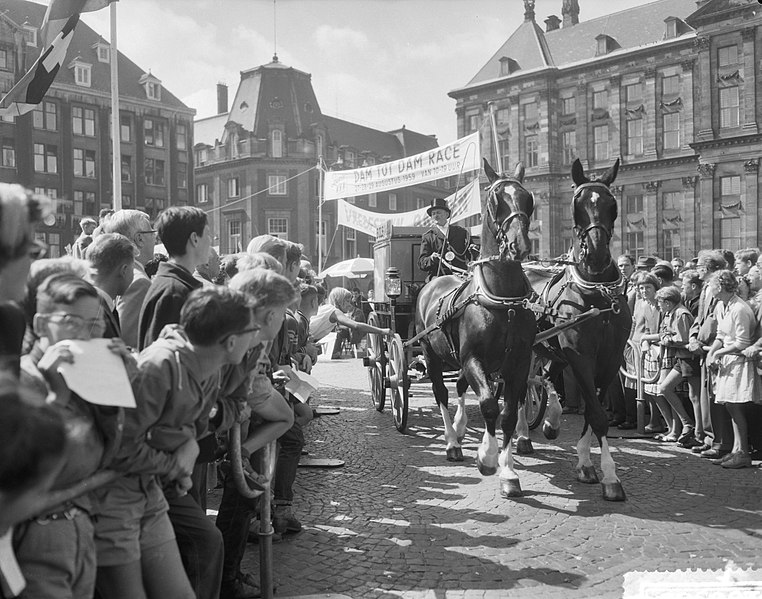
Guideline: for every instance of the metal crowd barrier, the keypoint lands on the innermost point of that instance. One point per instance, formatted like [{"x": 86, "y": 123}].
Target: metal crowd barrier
[{"x": 640, "y": 382}]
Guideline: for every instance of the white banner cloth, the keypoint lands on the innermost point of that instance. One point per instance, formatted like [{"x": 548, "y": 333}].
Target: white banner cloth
[
  {"x": 464, "y": 203},
  {"x": 459, "y": 157}
]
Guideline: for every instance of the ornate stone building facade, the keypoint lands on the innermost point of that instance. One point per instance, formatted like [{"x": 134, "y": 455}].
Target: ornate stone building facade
[{"x": 671, "y": 87}]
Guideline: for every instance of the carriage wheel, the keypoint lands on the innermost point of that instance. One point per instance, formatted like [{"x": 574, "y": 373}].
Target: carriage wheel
[
  {"x": 398, "y": 382},
  {"x": 376, "y": 363},
  {"x": 537, "y": 394}
]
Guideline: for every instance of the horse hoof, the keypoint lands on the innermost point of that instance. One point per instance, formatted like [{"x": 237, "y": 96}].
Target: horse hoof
[
  {"x": 587, "y": 475},
  {"x": 524, "y": 446},
  {"x": 460, "y": 440},
  {"x": 549, "y": 432},
  {"x": 484, "y": 469},
  {"x": 454, "y": 454},
  {"x": 613, "y": 492},
  {"x": 510, "y": 488}
]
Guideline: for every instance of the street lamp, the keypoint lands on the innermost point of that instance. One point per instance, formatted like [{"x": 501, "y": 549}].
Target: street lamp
[{"x": 393, "y": 288}]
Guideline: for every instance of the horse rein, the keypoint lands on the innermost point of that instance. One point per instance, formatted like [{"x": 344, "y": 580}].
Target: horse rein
[
  {"x": 500, "y": 231},
  {"x": 584, "y": 234}
]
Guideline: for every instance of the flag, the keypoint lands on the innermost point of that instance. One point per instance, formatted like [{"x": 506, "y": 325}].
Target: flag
[{"x": 57, "y": 30}]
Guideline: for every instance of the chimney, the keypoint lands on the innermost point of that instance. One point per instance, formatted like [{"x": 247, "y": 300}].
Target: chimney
[
  {"x": 552, "y": 23},
  {"x": 570, "y": 12},
  {"x": 222, "y": 98}
]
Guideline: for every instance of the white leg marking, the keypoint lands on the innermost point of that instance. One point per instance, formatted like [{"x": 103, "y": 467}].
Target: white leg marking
[
  {"x": 522, "y": 427},
  {"x": 607, "y": 463},
  {"x": 451, "y": 438},
  {"x": 553, "y": 411},
  {"x": 583, "y": 449},
  {"x": 506, "y": 465},
  {"x": 461, "y": 418},
  {"x": 488, "y": 454}
]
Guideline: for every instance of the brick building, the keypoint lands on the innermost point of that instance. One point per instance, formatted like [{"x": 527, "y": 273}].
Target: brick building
[
  {"x": 256, "y": 163},
  {"x": 63, "y": 148},
  {"x": 671, "y": 87}
]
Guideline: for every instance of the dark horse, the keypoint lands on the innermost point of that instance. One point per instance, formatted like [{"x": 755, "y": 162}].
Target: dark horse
[
  {"x": 485, "y": 327},
  {"x": 593, "y": 348}
]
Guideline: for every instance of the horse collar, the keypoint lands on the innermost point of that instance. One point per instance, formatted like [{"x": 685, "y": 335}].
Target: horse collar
[{"x": 606, "y": 287}]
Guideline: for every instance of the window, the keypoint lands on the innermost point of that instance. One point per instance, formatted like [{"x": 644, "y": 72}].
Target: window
[
  {"x": 182, "y": 175},
  {"x": 671, "y": 133},
  {"x": 278, "y": 227},
  {"x": 420, "y": 203},
  {"x": 30, "y": 35},
  {"x": 392, "y": 202},
  {"x": 729, "y": 108},
  {"x": 727, "y": 56},
  {"x": 277, "y": 143},
  {"x": 125, "y": 127},
  {"x": 634, "y": 204},
  {"x": 126, "y": 200},
  {"x": 350, "y": 158},
  {"x": 82, "y": 75},
  {"x": 234, "y": 236},
  {"x": 635, "y": 137},
  {"x": 730, "y": 233},
  {"x": 104, "y": 55},
  {"x": 4, "y": 63},
  {"x": 569, "y": 140},
  {"x": 202, "y": 193},
  {"x": 671, "y": 28},
  {"x": 531, "y": 113},
  {"x": 503, "y": 116},
  {"x": 600, "y": 99},
  {"x": 601, "y": 142},
  {"x": 153, "y": 132},
  {"x": 633, "y": 93},
  {"x": 321, "y": 236},
  {"x": 202, "y": 156},
  {"x": 473, "y": 123},
  {"x": 45, "y": 158},
  {"x": 83, "y": 121},
  {"x": 350, "y": 240},
  {"x": 45, "y": 116},
  {"x": 531, "y": 155},
  {"x": 319, "y": 146},
  {"x": 9, "y": 153},
  {"x": 233, "y": 188},
  {"x": 504, "y": 152},
  {"x": 670, "y": 86},
  {"x": 154, "y": 171},
  {"x": 84, "y": 163},
  {"x": 182, "y": 136},
  {"x": 730, "y": 220},
  {"x": 277, "y": 185},
  {"x": 126, "y": 168},
  {"x": 569, "y": 105},
  {"x": 54, "y": 245},
  {"x": 372, "y": 200},
  {"x": 153, "y": 90},
  {"x": 671, "y": 243},
  {"x": 635, "y": 244},
  {"x": 84, "y": 202},
  {"x": 671, "y": 200}
]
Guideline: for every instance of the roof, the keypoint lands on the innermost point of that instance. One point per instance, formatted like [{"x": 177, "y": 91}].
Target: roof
[
  {"x": 532, "y": 48},
  {"x": 413, "y": 142},
  {"x": 81, "y": 47},
  {"x": 343, "y": 132},
  {"x": 208, "y": 130}
]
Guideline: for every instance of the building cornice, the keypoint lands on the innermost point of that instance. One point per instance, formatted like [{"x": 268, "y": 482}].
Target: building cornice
[{"x": 726, "y": 141}]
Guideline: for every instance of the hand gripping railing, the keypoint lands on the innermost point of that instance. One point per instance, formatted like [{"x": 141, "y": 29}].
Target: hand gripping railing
[{"x": 640, "y": 382}]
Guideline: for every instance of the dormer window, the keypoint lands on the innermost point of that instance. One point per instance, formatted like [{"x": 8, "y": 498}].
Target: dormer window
[
  {"x": 606, "y": 44},
  {"x": 508, "y": 66},
  {"x": 30, "y": 35},
  {"x": 82, "y": 72},
  {"x": 103, "y": 51},
  {"x": 152, "y": 85},
  {"x": 675, "y": 27}
]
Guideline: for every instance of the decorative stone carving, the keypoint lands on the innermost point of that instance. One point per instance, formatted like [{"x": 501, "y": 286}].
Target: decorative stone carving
[
  {"x": 702, "y": 43},
  {"x": 690, "y": 182},
  {"x": 751, "y": 166},
  {"x": 651, "y": 186},
  {"x": 616, "y": 190},
  {"x": 687, "y": 65},
  {"x": 749, "y": 34},
  {"x": 706, "y": 170},
  {"x": 650, "y": 72}
]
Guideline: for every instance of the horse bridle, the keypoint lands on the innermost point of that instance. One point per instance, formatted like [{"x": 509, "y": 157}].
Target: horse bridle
[
  {"x": 500, "y": 230},
  {"x": 584, "y": 234}
]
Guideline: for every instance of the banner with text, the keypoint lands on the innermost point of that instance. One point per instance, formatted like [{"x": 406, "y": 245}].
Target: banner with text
[
  {"x": 459, "y": 157},
  {"x": 466, "y": 202}
]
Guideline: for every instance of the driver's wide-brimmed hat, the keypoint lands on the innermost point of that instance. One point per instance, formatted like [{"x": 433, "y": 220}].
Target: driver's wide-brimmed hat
[{"x": 438, "y": 204}]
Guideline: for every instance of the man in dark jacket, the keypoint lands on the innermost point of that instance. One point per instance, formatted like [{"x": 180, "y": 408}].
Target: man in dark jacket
[
  {"x": 186, "y": 235},
  {"x": 443, "y": 240}
]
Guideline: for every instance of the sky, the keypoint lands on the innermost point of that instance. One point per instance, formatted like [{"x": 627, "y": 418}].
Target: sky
[{"x": 380, "y": 63}]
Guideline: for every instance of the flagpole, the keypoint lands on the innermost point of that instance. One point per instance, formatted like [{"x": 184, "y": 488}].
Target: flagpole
[
  {"x": 320, "y": 214},
  {"x": 498, "y": 157},
  {"x": 116, "y": 154}
]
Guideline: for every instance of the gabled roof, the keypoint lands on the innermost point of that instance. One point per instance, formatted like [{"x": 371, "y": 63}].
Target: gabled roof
[
  {"x": 534, "y": 49},
  {"x": 82, "y": 45},
  {"x": 344, "y": 133},
  {"x": 719, "y": 8},
  {"x": 413, "y": 142},
  {"x": 208, "y": 130}
]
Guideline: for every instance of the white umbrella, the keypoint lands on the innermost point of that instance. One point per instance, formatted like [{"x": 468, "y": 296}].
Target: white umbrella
[{"x": 353, "y": 269}]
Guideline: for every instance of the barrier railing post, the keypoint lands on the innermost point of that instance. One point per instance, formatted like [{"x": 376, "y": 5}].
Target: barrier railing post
[{"x": 265, "y": 524}]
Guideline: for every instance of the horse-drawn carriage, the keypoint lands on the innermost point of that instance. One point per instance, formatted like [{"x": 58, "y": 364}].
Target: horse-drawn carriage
[{"x": 486, "y": 325}]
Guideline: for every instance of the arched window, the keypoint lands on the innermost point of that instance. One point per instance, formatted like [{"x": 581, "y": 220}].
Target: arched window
[{"x": 277, "y": 147}]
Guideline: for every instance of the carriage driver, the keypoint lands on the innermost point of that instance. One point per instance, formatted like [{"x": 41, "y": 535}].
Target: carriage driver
[{"x": 444, "y": 240}]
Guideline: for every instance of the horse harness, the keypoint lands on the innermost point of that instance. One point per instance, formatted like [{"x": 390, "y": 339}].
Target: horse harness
[
  {"x": 584, "y": 234},
  {"x": 500, "y": 231}
]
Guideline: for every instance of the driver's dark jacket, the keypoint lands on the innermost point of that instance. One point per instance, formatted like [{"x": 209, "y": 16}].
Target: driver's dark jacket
[{"x": 458, "y": 240}]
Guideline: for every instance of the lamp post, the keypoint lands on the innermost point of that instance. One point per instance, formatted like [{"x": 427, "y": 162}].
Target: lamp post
[{"x": 393, "y": 288}]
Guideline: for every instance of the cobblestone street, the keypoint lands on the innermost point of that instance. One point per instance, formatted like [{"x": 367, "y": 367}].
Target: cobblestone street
[{"x": 399, "y": 520}]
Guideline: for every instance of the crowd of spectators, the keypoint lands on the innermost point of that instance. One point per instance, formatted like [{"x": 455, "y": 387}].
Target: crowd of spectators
[{"x": 107, "y": 501}]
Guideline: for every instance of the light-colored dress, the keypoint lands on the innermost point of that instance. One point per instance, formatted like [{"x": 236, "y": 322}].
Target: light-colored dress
[
  {"x": 736, "y": 376},
  {"x": 320, "y": 324}
]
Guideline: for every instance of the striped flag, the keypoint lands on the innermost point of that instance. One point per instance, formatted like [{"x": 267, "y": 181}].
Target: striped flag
[{"x": 57, "y": 30}]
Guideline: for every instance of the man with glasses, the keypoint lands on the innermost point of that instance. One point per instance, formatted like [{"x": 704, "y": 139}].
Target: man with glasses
[{"x": 135, "y": 225}]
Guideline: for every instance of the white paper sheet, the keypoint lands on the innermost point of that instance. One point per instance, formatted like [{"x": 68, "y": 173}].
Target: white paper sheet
[
  {"x": 11, "y": 579},
  {"x": 300, "y": 384},
  {"x": 97, "y": 375}
]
